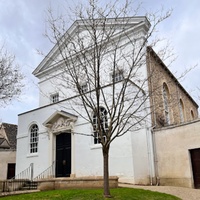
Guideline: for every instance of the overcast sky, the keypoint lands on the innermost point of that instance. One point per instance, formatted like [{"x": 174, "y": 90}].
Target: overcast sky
[{"x": 22, "y": 24}]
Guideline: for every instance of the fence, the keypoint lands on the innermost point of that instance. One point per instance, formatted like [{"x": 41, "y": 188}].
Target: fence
[
  {"x": 18, "y": 181},
  {"x": 48, "y": 173}
]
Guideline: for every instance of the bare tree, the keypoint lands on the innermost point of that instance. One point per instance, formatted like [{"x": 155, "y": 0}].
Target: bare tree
[
  {"x": 10, "y": 77},
  {"x": 103, "y": 62}
]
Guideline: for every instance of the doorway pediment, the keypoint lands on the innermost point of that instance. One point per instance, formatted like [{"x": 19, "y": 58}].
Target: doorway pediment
[{"x": 60, "y": 121}]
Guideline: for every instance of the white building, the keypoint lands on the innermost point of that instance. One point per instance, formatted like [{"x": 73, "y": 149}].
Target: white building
[{"x": 56, "y": 133}]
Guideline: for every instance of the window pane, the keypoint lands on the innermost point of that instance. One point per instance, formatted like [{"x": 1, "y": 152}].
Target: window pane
[
  {"x": 181, "y": 106},
  {"x": 117, "y": 76},
  {"x": 84, "y": 88},
  {"x": 54, "y": 98},
  {"x": 33, "y": 139},
  {"x": 103, "y": 122},
  {"x": 166, "y": 103}
]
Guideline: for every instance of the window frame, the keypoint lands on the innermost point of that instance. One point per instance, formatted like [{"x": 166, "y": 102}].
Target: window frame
[
  {"x": 165, "y": 91},
  {"x": 84, "y": 87},
  {"x": 33, "y": 139},
  {"x": 192, "y": 114},
  {"x": 117, "y": 76},
  {"x": 104, "y": 118},
  {"x": 182, "y": 111},
  {"x": 54, "y": 98}
]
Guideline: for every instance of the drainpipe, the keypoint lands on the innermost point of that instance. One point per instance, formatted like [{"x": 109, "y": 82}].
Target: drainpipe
[
  {"x": 155, "y": 157},
  {"x": 149, "y": 155},
  {"x": 150, "y": 149},
  {"x": 152, "y": 156}
]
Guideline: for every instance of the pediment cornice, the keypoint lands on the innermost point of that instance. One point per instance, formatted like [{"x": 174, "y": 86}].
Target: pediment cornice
[
  {"x": 60, "y": 121},
  {"x": 49, "y": 61}
]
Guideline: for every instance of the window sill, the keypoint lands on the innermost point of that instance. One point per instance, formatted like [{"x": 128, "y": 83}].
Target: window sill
[
  {"x": 32, "y": 155},
  {"x": 96, "y": 146}
]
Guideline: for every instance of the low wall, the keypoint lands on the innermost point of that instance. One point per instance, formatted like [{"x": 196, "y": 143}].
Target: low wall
[
  {"x": 173, "y": 145},
  {"x": 67, "y": 183},
  {"x": 179, "y": 182},
  {"x": 7, "y": 156},
  {"x": 11, "y": 185}
]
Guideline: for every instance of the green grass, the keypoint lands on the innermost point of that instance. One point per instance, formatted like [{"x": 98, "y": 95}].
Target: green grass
[{"x": 93, "y": 194}]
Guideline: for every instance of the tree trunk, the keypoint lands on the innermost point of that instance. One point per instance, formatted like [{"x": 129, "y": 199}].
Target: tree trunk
[{"x": 106, "y": 171}]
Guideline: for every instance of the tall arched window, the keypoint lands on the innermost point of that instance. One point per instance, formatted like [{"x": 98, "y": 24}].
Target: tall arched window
[
  {"x": 34, "y": 138},
  {"x": 166, "y": 103},
  {"x": 182, "y": 111},
  {"x": 192, "y": 115},
  {"x": 102, "y": 122}
]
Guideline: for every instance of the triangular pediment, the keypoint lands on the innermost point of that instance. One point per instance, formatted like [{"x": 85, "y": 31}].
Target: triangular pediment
[
  {"x": 49, "y": 60},
  {"x": 60, "y": 120},
  {"x": 53, "y": 58}
]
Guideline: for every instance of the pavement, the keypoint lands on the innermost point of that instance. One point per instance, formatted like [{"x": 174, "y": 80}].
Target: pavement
[
  {"x": 17, "y": 192},
  {"x": 181, "y": 192}
]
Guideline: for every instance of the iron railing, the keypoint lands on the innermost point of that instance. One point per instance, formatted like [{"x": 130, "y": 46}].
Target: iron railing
[
  {"x": 25, "y": 180},
  {"x": 47, "y": 173},
  {"x": 18, "y": 181},
  {"x": 25, "y": 174}
]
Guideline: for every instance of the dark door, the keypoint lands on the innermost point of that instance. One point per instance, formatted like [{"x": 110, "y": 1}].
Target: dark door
[
  {"x": 11, "y": 170},
  {"x": 63, "y": 155},
  {"x": 195, "y": 159}
]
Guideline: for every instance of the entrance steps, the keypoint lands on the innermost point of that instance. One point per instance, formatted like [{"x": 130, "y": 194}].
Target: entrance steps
[{"x": 30, "y": 185}]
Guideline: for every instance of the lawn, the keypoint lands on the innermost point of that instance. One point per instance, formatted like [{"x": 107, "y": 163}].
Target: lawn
[{"x": 93, "y": 194}]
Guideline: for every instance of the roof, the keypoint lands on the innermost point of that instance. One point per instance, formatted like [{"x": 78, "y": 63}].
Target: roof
[
  {"x": 9, "y": 137},
  {"x": 129, "y": 22},
  {"x": 150, "y": 49}
]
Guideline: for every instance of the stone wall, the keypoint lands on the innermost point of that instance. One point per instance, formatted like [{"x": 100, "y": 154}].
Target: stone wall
[
  {"x": 173, "y": 145},
  {"x": 7, "y": 156},
  {"x": 67, "y": 183},
  {"x": 159, "y": 74}
]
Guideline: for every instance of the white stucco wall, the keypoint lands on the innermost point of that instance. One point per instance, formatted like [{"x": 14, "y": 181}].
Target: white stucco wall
[
  {"x": 128, "y": 154},
  {"x": 43, "y": 159},
  {"x": 56, "y": 80}
]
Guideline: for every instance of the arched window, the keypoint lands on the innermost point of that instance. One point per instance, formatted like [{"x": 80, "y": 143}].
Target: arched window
[
  {"x": 166, "y": 103},
  {"x": 102, "y": 122},
  {"x": 34, "y": 138},
  {"x": 182, "y": 111},
  {"x": 192, "y": 115}
]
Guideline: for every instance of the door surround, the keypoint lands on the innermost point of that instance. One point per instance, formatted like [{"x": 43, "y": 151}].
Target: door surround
[{"x": 60, "y": 122}]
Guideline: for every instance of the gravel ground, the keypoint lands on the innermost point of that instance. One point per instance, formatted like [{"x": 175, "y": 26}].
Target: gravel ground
[{"x": 181, "y": 192}]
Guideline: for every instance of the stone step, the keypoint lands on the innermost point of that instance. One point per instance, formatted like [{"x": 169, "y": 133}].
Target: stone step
[{"x": 30, "y": 185}]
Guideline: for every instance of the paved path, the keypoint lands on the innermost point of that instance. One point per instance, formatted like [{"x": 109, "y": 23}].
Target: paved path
[
  {"x": 181, "y": 192},
  {"x": 18, "y": 192}
]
